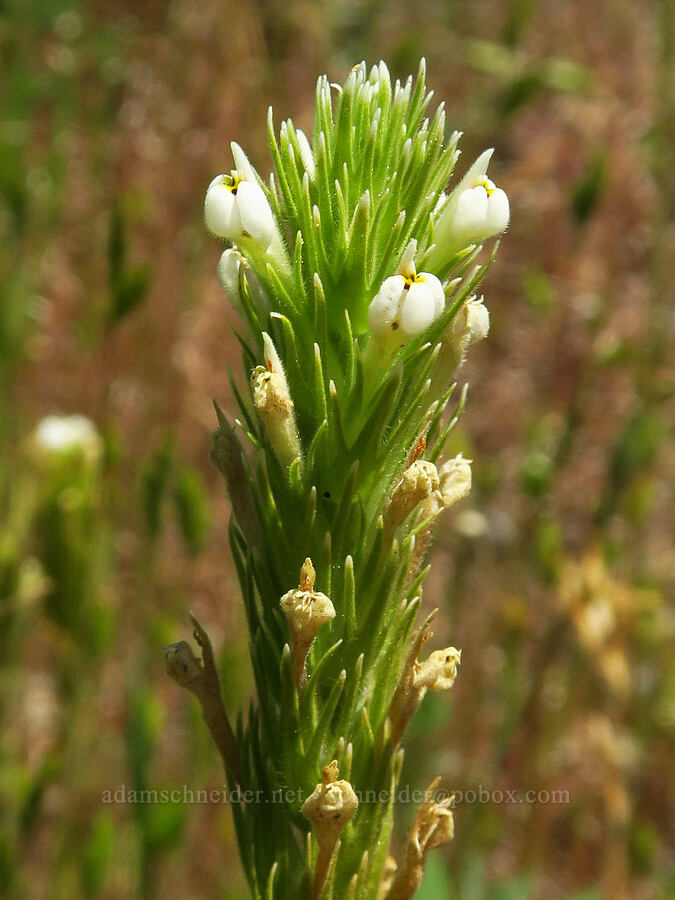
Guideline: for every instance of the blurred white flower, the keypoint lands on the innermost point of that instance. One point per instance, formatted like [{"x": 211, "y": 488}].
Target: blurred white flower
[{"x": 63, "y": 434}]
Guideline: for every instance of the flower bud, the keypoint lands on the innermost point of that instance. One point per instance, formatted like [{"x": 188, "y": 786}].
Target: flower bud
[
  {"x": 475, "y": 211},
  {"x": 273, "y": 402},
  {"x": 477, "y": 319},
  {"x": 227, "y": 273},
  {"x": 471, "y": 324},
  {"x": 306, "y": 610}
]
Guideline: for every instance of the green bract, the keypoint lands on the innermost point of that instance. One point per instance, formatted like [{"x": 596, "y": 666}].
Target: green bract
[{"x": 360, "y": 417}]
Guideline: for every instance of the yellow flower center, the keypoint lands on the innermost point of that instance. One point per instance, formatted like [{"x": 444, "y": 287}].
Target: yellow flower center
[
  {"x": 232, "y": 181},
  {"x": 412, "y": 278},
  {"x": 489, "y": 186}
]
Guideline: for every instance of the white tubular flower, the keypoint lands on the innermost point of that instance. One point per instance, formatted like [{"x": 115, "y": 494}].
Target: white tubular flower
[
  {"x": 407, "y": 303},
  {"x": 236, "y": 207},
  {"x": 476, "y": 210},
  {"x": 306, "y": 154},
  {"x": 68, "y": 434}
]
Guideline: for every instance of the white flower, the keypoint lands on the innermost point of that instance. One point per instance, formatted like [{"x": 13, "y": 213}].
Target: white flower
[
  {"x": 236, "y": 206},
  {"x": 63, "y": 434},
  {"x": 406, "y": 303},
  {"x": 476, "y": 210}
]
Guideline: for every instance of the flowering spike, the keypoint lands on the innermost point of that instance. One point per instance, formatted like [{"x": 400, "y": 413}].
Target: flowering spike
[{"x": 347, "y": 255}]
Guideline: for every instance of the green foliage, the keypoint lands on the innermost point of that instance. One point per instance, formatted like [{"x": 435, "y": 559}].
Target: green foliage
[
  {"x": 163, "y": 478},
  {"x": 154, "y": 483},
  {"x": 634, "y": 450},
  {"x": 129, "y": 283},
  {"x": 32, "y": 802},
  {"x": 192, "y": 508},
  {"x": 523, "y": 81},
  {"x": 587, "y": 191},
  {"x": 96, "y": 855},
  {"x": 7, "y": 865},
  {"x": 160, "y": 824}
]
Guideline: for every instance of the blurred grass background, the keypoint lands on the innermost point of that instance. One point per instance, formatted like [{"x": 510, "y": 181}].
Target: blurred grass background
[{"x": 553, "y": 577}]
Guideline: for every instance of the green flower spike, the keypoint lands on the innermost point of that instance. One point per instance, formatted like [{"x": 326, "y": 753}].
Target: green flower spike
[{"x": 356, "y": 277}]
